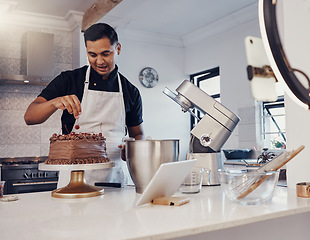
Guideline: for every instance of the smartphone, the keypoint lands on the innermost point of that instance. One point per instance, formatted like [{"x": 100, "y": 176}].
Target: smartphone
[{"x": 262, "y": 88}]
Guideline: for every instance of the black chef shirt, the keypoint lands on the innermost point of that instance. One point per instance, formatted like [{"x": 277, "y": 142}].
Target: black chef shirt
[{"x": 72, "y": 82}]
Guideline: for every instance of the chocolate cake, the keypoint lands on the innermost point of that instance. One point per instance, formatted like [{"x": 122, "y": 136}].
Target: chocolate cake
[{"x": 77, "y": 148}]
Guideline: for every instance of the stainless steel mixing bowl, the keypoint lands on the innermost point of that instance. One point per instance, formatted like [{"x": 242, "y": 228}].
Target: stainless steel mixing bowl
[{"x": 145, "y": 156}]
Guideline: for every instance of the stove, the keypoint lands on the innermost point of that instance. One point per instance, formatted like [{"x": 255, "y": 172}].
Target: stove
[{"x": 21, "y": 175}]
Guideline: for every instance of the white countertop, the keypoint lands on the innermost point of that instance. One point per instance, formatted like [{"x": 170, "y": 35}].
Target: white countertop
[{"x": 114, "y": 215}]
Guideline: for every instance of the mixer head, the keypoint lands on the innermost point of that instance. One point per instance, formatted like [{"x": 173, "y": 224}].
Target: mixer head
[
  {"x": 182, "y": 101},
  {"x": 217, "y": 124}
]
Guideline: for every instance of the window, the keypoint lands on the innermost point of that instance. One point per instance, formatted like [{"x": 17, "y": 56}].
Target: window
[
  {"x": 273, "y": 124},
  {"x": 209, "y": 82}
]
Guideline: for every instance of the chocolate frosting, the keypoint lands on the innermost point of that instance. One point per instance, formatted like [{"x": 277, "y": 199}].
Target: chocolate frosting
[{"x": 77, "y": 149}]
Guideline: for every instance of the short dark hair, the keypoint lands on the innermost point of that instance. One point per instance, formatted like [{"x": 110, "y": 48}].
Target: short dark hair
[{"x": 99, "y": 31}]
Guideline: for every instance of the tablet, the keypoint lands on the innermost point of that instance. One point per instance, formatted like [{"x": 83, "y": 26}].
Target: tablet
[{"x": 166, "y": 181}]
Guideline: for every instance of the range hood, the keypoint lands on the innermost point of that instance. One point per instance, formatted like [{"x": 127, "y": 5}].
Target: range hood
[{"x": 39, "y": 58}]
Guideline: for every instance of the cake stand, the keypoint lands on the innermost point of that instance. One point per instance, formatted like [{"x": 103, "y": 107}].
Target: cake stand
[{"x": 77, "y": 187}]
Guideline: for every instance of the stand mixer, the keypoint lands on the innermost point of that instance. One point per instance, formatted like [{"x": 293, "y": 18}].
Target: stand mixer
[{"x": 211, "y": 131}]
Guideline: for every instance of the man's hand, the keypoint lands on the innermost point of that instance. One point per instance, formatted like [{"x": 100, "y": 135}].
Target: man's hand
[
  {"x": 69, "y": 102},
  {"x": 123, "y": 151},
  {"x": 123, "y": 147},
  {"x": 135, "y": 133},
  {"x": 41, "y": 109}
]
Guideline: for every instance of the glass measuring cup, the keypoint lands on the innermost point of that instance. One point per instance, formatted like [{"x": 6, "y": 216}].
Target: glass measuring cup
[{"x": 193, "y": 181}]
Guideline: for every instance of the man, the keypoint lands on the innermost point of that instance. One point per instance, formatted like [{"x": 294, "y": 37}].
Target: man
[{"x": 95, "y": 98}]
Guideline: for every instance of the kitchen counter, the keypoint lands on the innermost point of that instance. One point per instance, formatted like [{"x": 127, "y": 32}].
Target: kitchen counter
[{"x": 114, "y": 216}]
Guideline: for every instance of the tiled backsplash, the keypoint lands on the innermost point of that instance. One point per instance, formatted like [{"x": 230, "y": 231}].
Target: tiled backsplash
[
  {"x": 16, "y": 138},
  {"x": 13, "y": 52}
]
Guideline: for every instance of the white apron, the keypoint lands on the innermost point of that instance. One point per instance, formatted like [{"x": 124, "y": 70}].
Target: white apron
[{"x": 104, "y": 112}]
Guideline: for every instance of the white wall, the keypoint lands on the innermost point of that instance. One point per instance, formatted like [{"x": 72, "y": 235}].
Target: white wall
[
  {"x": 163, "y": 118},
  {"x": 296, "y": 42},
  {"x": 227, "y": 50}
]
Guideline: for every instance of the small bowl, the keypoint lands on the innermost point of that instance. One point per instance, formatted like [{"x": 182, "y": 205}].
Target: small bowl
[{"x": 236, "y": 185}]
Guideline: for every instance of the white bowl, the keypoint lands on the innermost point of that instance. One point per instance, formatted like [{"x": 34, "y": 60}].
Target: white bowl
[{"x": 248, "y": 186}]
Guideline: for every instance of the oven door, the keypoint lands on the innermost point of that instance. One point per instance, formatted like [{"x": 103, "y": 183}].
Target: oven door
[{"x": 27, "y": 186}]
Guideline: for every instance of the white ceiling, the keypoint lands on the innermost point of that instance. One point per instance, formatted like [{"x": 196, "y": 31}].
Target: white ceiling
[
  {"x": 57, "y": 8},
  {"x": 176, "y": 18}
]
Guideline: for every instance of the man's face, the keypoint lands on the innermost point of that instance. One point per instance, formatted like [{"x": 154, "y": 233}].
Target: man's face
[{"x": 102, "y": 56}]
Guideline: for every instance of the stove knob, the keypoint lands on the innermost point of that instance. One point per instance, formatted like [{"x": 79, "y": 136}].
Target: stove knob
[
  {"x": 45, "y": 174},
  {"x": 26, "y": 175},
  {"x": 33, "y": 175}
]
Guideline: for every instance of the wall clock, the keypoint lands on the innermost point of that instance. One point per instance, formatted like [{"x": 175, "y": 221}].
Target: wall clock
[{"x": 148, "y": 77}]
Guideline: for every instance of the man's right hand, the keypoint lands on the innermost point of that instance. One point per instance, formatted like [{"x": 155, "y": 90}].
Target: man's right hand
[
  {"x": 69, "y": 102},
  {"x": 41, "y": 109}
]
